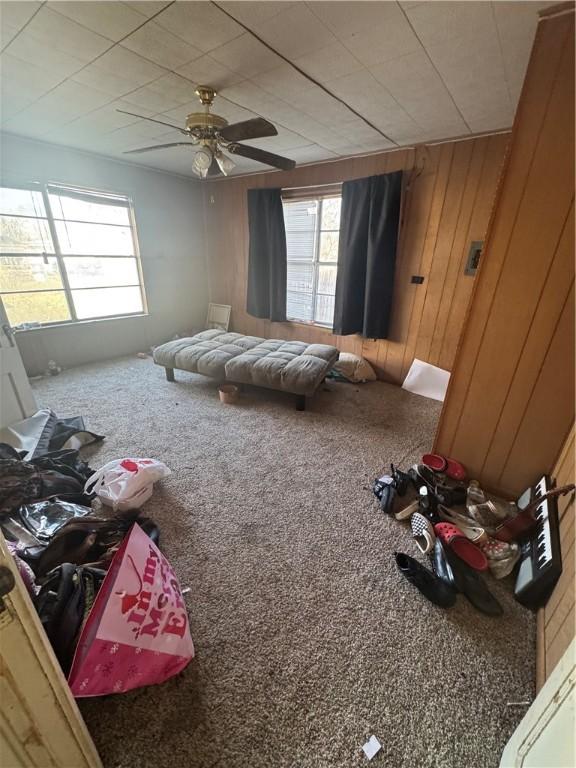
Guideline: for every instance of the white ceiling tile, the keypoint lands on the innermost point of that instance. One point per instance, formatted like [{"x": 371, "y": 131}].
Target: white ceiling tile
[
  {"x": 109, "y": 18},
  {"x": 157, "y": 44},
  {"x": 147, "y": 7},
  {"x": 348, "y": 18},
  {"x": 284, "y": 81},
  {"x": 489, "y": 121},
  {"x": 382, "y": 43},
  {"x": 105, "y": 120},
  {"x": 417, "y": 87},
  {"x": 473, "y": 72},
  {"x": 52, "y": 31},
  {"x": 248, "y": 95},
  {"x": 362, "y": 91},
  {"x": 201, "y": 24},
  {"x": 284, "y": 140},
  {"x": 14, "y": 16},
  {"x": 251, "y": 13},
  {"x": 21, "y": 84},
  {"x": 168, "y": 92},
  {"x": 152, "y": 99},
  {"x": 328, "y": 63},
  {"x": 310, "y": 154},
  {"x": 63, "y": 104},
  {"x": 232, "y": 112},
  {"x": 246, "y": 55},
  {"x": 208, "y": 71},
  {"x": 441, "y": 22},
  {"x": 295, "y": 31},
  {"x": 516, "y": 23},
  {"x": 118, "y": 72},
  {"x": 178, "y": 115},
  {"x": 165, "y": 136}
]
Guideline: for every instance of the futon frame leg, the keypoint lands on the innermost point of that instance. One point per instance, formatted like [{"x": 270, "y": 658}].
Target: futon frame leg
[
  {"x": 169, "y": 374},
  {"x": 300, "y": 402}
]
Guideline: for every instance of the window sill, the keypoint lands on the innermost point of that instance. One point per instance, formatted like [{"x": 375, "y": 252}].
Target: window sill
[
  {"x": 310, "y": 324},
  {"x": 76, "y": 323}
]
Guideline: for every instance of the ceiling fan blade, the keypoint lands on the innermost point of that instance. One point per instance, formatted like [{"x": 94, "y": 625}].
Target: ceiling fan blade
[
  {"x": 256, "y": 128},
  {"x": 268, "y": 158},
  {"x": 153, "y": 120},
  {"x": 158, "y": 146}
]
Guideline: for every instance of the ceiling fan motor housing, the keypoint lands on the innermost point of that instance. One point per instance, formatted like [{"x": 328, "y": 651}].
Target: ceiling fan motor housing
[{"x": 205, "y": 120}]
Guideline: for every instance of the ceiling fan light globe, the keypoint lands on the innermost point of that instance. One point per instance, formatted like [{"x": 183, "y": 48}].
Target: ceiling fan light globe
[
  {"x": 201, "y": 161},
  {"x": 226, "y": 164}
]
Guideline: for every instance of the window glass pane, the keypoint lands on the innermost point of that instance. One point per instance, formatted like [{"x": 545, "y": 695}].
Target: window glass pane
[
  {"x": 87, "y": 272},
  {"x": 300, "y": 277},
  {"x": 324, "y": 310},
  {"x": 19, "y": 235},
  {"x": 299, "y": 306},
  {"x": 83, "y": 210},
  {"x": 94, "y": 239},
  {"x": 328, "y": 246},
  {"x": 300, "y": 215},
  {"x": 326, "y": 280},
  {"x": 331, "y": 213},
  {"x": 101, "y": 302},
  {"x": 24, "y": 202},
  {"x": 300, "y": 245},
  {"x": 50, "y": 307},
  {"x": 29, "y": 273}
]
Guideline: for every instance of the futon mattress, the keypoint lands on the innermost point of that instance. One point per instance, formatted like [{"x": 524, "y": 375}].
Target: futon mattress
[{"x": 289, "y": 366}]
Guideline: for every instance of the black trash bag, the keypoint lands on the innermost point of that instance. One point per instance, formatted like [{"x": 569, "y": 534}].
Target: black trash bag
[
  {"x": 89, "y": 540},
  {"x": 44, "y": 518},
  {"x": 63, "y": 603}
]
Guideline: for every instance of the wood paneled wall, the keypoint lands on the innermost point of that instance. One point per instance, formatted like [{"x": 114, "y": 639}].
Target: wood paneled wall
[
  {"x": 510, "y": 403},
  {"x": 556, "y": 621},
  {"x": 446, "y": 206}
]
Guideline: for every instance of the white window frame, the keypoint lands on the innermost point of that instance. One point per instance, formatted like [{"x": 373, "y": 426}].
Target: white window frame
[
  {"x": 316, "y": 263},
  {"x": 44, "y": 189}
]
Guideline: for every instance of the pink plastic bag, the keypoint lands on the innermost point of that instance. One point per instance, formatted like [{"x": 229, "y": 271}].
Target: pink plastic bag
[{"x": 137, "y": 632}]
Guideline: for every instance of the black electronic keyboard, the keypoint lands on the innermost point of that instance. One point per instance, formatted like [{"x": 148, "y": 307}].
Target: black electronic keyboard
[{"x": 541, "y": 559}]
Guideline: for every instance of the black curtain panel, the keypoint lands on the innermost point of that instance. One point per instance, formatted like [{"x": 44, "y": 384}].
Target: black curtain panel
[
  {"x": 267, "y": 255},
  {"x": 369, "y": 224}
]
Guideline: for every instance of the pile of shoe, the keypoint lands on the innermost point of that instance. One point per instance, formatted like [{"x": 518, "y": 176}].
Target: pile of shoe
[{"x": 461, "y": 543}]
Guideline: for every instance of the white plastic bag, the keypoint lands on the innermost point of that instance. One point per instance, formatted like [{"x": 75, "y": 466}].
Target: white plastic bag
[{"x": 126, "y": 483}]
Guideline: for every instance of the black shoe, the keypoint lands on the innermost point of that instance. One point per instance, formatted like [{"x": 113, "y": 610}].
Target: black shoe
[
  {"x": 401, "y": 480},
  {"x": 421, "y": 475},
  {"x": 433, "y": 588},
  {"x": 427, "y": 505},
  {"x": 471, "y": 584},
  {"x": 385, "y": 492},
  {"x": 441, "y": 566}
]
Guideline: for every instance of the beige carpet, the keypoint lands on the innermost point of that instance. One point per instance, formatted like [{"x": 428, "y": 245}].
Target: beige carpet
[{"x": 307, "y": 639}]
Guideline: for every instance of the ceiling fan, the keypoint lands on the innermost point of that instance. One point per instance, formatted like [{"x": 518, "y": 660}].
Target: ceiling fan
[{"x": 211, "y": 134}]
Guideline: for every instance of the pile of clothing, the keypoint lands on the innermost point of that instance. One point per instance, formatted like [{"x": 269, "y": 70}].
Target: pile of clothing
[
  {"x": 61, "y": 548},
  {"x": 452, "y": 520}
]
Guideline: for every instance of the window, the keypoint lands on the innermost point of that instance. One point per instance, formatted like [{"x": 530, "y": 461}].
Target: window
[
  {"x": 312, "y": 229},
  {"x": 67, "y": 254}
]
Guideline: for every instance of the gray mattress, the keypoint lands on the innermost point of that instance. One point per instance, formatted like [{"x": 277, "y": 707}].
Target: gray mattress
[{"x": 290, "y": 366}]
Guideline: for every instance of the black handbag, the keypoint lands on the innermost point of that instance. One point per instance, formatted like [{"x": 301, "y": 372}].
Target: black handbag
[{"x": 65, "y": 599}]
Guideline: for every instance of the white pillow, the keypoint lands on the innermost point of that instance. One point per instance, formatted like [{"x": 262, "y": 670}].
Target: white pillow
[{"x": 354, "y": 368}]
